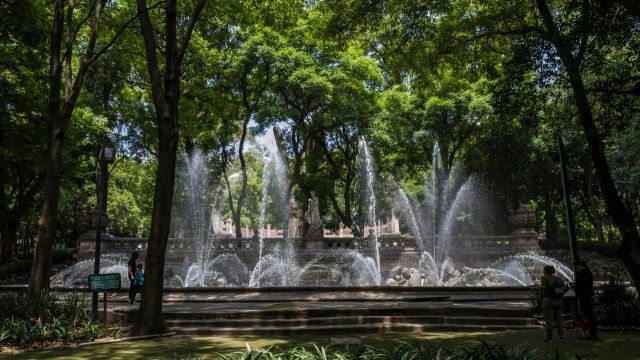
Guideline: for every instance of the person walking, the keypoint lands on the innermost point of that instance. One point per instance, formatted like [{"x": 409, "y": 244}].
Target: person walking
[
  {"x": 552, "y": 288},
  {"x": 131, "y": 270},
  {"x": 584, "y": 293}
]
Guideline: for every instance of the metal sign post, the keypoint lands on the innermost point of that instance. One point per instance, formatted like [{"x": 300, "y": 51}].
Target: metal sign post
[
  {"x": 103, "y": 283},
  {"x": 105, "y": 157}
]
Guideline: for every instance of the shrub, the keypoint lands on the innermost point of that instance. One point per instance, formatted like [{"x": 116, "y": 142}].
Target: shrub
[
  {"x": 73, "y": 309},
  {"x": 401, "y": 350},
  {"x": 92, "y": 331},
  {"x": 45, "y": 318},
  {"x": 535, "y": 302},
  {"x": 44, "y": 306},
  {"x": 15, "y": 267},
  {"x": 23, "y": 266},
  {"x": 617, "y": 304},
  {"x": 13, "y": 305}
]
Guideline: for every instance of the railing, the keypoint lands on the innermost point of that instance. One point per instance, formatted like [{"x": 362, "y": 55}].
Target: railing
[{"x": 387, "y": 243}]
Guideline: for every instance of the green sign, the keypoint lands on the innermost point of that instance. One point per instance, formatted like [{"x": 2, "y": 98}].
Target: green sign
[{"x": 104, "y": 282}]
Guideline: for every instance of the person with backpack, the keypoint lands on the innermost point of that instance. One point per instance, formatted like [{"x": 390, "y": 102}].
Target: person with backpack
[
  {"x": 552, "y": 288},
  {"x": 584, "y": 292},
  {"x": 138, "y": 280}
]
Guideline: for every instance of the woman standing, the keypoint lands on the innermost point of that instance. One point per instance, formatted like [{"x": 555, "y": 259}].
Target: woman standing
[{"x": 131, "y": 271}]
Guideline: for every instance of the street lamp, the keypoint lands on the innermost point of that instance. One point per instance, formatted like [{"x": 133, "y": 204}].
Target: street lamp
[
  {"x": 105, "y": 156},
  {"x": 566, "y": 194}
]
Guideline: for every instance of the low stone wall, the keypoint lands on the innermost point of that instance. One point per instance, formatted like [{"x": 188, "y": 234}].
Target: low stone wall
[{"x": 477, "y": 250}]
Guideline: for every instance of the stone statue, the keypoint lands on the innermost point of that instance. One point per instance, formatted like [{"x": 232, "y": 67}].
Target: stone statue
[{"x": 312, "y": 216}]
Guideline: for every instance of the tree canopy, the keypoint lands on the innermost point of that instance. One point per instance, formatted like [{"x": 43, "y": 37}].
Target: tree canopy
[{"x": 491, "y": 85}]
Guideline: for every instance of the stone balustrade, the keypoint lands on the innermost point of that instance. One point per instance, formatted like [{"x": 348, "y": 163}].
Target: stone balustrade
[{"x": 476, "y": 248}]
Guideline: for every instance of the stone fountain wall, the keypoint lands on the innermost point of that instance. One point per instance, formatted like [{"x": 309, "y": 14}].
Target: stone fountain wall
[{"x": 465, "y": 250}]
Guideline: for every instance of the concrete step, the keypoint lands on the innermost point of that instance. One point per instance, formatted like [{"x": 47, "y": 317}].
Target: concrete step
[
  {"x": 350, "y": 320},
  {"x": 342, "y": 329},
  {"x": 295, "y": 313}
]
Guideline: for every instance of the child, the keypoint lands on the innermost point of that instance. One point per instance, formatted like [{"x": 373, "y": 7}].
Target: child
[{"x": 138, "y": 279}]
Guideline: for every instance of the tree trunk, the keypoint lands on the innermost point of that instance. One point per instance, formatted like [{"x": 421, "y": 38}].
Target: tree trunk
[
  {"x": 151, "y": 321},
  {"x": 189, "y": 145},
  {"x": 165, "y": 100},
  {"x": 551, "y": 225},
  {"x": 237, "y": 216},
  {"x": 41, "y": 267},
  {"x": 629, "y": 251},
  {"x": 597, "y": 220},
  {"x": 59, "y": 115}
]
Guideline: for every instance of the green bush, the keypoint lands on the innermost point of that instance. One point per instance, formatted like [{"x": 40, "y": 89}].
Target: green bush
[
  {"x": 73, "y": 309},
  {"x": 15, "y": 267},
  {"x": 23, "y": 266},
  {"x": 616, "y": 304},
  {"x": 44, "y": 306},
  {"x": 400, "y": 351},
  {"x": 13, "y": 305},
  {"x": 535, "y": 302},
  {"x": 45, "y": 318}
]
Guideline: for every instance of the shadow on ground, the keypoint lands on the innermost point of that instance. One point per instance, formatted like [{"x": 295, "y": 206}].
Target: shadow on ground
[{"x": 612, "y": 346}]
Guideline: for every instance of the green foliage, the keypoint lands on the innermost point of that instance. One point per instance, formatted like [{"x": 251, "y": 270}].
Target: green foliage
[
  {"x": 130, "y": 197},
  {"x": 399, "y": 351},
  {"x": 535, "y": 302},
  {"x": 24, "y": 266},
  {"x": 476, "y": 78},
  {"x": 45, "y": 318},
  {"x": 617, "y": 304},
  {"x": 15, "y": 267}
]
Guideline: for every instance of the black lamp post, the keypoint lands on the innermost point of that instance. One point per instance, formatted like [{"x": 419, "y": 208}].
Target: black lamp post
[
  {"x": 566, "y": 194},
  {"x": 106, "y": 156}
]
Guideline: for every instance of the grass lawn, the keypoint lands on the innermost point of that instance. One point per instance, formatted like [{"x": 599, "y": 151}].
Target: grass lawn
[{"x": 612, "y": 346}]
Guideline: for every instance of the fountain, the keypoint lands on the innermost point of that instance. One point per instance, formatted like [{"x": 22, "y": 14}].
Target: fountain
[
  {"x": 78, "y": 273},
  {"x": 203, "y": 254},
  {"x": 435, "y": 264},
  {"x": 370, "y": 202},
  {"x": 280, "y": 267}
]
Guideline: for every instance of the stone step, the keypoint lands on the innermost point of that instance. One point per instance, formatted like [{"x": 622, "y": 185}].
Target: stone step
[
  {"x": 350, "y": 320},
  {"x": 342, "y": 329},
  {"x": 295, "y": 313}
]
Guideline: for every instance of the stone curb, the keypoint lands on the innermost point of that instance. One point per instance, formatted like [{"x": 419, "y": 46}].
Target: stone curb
[{"x": 130, "y": 338}]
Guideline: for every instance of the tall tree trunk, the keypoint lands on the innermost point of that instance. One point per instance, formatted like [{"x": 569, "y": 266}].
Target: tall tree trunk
[
  {"x": 41, "y": 267},
  {"x": 165, "y": 91},
  {"x": 151, "y": 320},
  {"x": 629, "y": 251},
  {"x": 237, "y": 216},
  {"x": 59, "y": 115},
  {"x": 551, "y": 225},
  {"x": 597, "y": 220},
  {"x": 189, "y": 145}
]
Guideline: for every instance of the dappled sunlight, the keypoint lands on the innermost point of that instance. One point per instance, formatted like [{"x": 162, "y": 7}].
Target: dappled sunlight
[{"x": 612, "y": 346}]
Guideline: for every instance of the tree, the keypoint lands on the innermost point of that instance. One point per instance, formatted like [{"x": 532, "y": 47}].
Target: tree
[
  {"x": 565, "y": 47},
  {"x": 251, "y": 73},
  {"x": 165, "y": 90},
  {"x": 22, "y": 50},
  {"x": 60, "y": 109},
  {"x": 569, "y": 35},
  {"x": 342, "y": 124}
]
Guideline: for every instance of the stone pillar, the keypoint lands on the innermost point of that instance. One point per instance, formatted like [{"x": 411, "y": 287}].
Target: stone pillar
[
  {"x": 523, "y": 222},
  {"x": 395, "y": 224}
]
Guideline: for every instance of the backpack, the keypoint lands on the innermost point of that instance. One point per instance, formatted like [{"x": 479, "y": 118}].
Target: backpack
[
  {"x": 555, "y": 290},
  {"x": 138, "y": 278}
]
